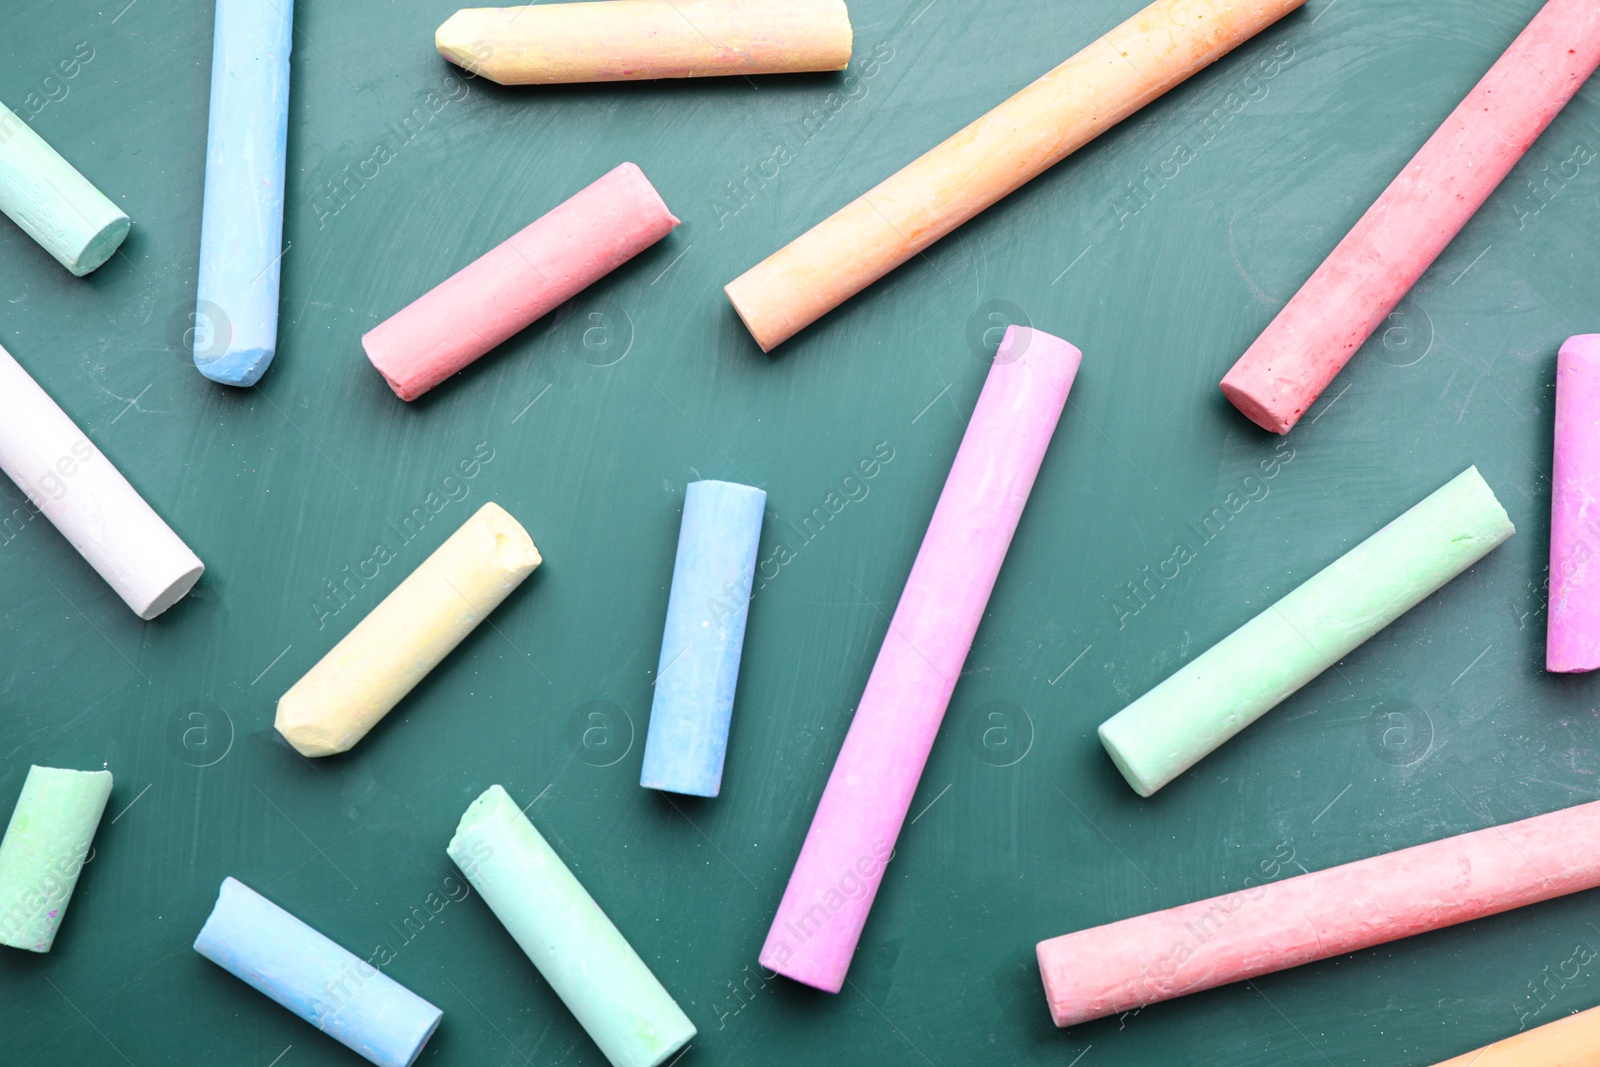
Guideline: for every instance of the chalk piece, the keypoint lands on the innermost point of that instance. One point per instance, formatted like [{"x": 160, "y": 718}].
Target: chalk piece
[
  {"x": 407, "y": 635},
  {"x": 704, "y": 638},
  {"x": 73, "y": 485},
  {"x": 340, "y": 994},
  {"x": 629, "y": 40},
  {"x": 586, "y": 960},
  {"x": 1573, "y": 640},
  {"x": 1118, "y": 74},
  {"x": 1276, "y": 925},
  {"x": 1248, "y": 673},
  {"x": 1416, "y": 218},
  {"x": 1570, "y": 1042},
  {"x": 46, "y": 845},
  {"x": 53, "y": 203},
  {"x": 868, "y": 795},
  {"x": 241, "y": 224},
  {"x": 492, "y": 299}
]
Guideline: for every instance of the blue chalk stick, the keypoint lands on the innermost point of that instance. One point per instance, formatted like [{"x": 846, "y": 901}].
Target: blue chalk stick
[
  {"x": 241, "y": 225},
  {"x": 706, "y": 614},
  {"x": 343, "y": 996}
]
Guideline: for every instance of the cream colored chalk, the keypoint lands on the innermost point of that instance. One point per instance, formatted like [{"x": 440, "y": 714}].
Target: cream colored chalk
[
  {"x": 628, "y": 40},
  {"x": 1121, "y": 72},
  {"x": 407, "y": 635}
]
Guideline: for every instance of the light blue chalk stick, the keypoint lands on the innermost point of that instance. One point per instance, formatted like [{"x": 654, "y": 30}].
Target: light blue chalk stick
[
  {"x": 343, "y": 996},
  {"x": 241, "y": 226},
  {"x": 706, "y": 615}
]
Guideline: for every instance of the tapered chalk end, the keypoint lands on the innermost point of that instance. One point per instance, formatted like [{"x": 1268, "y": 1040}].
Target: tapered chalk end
[
  {"x": 173, "y": 593},
  {"x": 454, "y": 40},
  {"x": 309, "y": 729},
  {"x": 101, "y": 247},
  {"x": 238, "y": 368}
]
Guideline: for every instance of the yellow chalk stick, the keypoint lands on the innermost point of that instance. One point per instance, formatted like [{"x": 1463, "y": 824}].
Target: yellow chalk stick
[
  {"x": 407, "y": 635},
  {"x": 628, "y": 40}
]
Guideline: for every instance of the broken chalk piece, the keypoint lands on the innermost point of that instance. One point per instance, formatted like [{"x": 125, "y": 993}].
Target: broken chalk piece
[
  {"x": 704, "y": 639},
  {"x": 1245, "y": 675},
  {"x": 819, "y": 922},
  {"x": 583, "y": 956},
  {"x": 1416, "y": 218},
  {"x": 1118, "y": 74},
  {"x": 241, "y": 223},
  {"x": 534, "y": 272},
  {"x": 407, "y": 635},
  {"x": 74, "y": 486},
  {"x": 53, "y": 203},
  {"x": 44, "y": 850},
  {"x": 630, "y": 40},
  {"x": 1141, "y": 961},
  {"x": 339, "y": 993},
  {"x": 1570, "y": 1042},
  {"x": 1573, "y": 640}
]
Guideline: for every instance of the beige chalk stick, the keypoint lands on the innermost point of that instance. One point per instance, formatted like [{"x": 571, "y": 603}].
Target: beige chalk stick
[
  {"x": 630, "y": 40},
  {"x": 1129, "y": 67},
  {"x": 407, "y": 635}
]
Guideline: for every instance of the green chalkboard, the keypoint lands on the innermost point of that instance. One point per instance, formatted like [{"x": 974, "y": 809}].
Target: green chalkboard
[{"x": 1161, "y": 264}]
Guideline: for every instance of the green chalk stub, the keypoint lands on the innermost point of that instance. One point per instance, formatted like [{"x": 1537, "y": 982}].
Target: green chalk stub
[
  {"x": 581, "y": 954},
  {"x": 57, "y": 206},
  {"x": 1247, "y": 674},
  {"x": 44, "y": 851}
]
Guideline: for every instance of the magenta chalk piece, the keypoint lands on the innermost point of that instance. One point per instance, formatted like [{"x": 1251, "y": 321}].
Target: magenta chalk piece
[
  {"x": 869, "y": 793},
  {"x": 1573, "y": 642},
  {"x": 492, "y": 299}
]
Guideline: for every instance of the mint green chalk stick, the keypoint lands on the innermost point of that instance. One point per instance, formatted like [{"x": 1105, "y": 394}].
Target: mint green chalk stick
[
  {"x": 581, "y": 954},
  {"x": 44, "y": 850},
  {"x": 1186, "y": 717},
  {"x": 56, "y": 205}
]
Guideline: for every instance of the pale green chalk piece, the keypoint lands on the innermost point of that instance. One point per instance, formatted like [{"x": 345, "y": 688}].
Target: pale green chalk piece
[
  {"x": 47, "y": 197},
  {"x": 1186, "y": 717},
  {"x": 581, "y": 954},
  {"x": 44, "y": 850}
]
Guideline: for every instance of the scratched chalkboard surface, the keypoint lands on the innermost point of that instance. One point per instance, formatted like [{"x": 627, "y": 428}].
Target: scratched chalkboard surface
[{"x": 1162, "y": 250}]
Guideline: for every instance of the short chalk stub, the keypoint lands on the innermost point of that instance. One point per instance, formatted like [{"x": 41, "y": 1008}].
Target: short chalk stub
[
  {"x": 630, "y": 40},
  {"x": 583, "y": 956},
  {"x": 701, "y": 648},
  {"x": 497, "y": 296},
  {"x": 415, "y": 627},
  {"x": 75, "y": 486},
  {"x": 334, "y": 990},
  {"x": 47, "y": 843},
  {"x": 1572, "y": 643},
  {"x": 1257, "y": 667},
  {"x": 54, "y": 204},
  {"x": 241, "y": 224}
]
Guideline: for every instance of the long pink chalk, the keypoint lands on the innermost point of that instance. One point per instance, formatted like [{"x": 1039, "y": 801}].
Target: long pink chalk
[
  {"x": 864, "y": 805},
  {"x": 1270, "y": 927},
  {"x": 1573, "y": 640},
  {"x": 1400, "y": 236},
  {"x": 529, "y": 276}
]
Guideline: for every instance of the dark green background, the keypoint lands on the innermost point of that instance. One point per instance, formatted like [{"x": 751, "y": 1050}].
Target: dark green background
[{"x": 1443, "y": 724}]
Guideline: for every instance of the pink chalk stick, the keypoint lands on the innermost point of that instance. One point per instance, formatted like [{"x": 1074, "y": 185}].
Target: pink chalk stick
[
  {"x": 864, "y": 805},
  {"x": 1400, "y": 236},
  {"x": 529, "y": 276},
  {"x": 1573, "y": 641},
  {"x": 1270, "y": 927}
]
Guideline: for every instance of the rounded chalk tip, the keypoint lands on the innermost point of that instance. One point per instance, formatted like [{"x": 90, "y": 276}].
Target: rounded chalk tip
[
  {"x": 237, "y": 367},
  {"x": 101, "y": 247},
  {"x": 1141, "y": 785},
  {"x": 310, "y": 730},
  {"x": 174, "y": 592}
]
